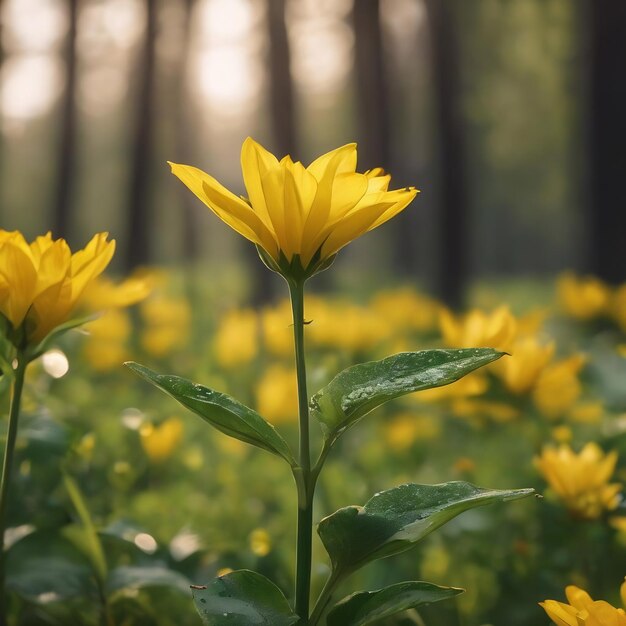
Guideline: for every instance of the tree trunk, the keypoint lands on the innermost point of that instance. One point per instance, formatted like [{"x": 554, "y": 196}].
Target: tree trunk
[
  {"x": 372, "y": 89},
  {"x": 66, "y": 165},
  {"x": 281, "y": 89},
  {"x": 452, "y": 185},
  {"x": 607, "y": 127},
  {"x": 138, "y": 243},
  {"x": 185, "y": 138}
]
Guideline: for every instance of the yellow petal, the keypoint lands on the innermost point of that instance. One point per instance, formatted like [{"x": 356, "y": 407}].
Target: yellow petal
[
  {"x": 578, "y": 597},
  {"x": 561, "y": 614},
  {"x": 402, "y": 199},
  {"x": 227, "y": 206},
  {"x": 341, "y": 160},
  {"x": 256, "y": 162},
  {"x": 18, "y": 277},
  {"x": 90, "y": 262},
  {"x": 352, "y": 226}
]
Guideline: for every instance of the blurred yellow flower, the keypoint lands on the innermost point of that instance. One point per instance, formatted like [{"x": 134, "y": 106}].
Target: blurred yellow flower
[
  {"x": 478, "y": 329},
  {"x": 583, "y": 297},
  {"x": 496, "y": 411},
  {"x": 260, "y": 542},
  {"x": 406, "y": 309},
  {"x": 86, "y": 446},
  {"x": 277, "y": 330},
  {"x": 345, "y": 326},
  {"x": 582, "y": 610},
  {"x": 42, "y": 282},
  {"x": 562, "y": 434},
  {"x": 236, "y": 338},
  {"x": 471, "y": 385},
  {"x": 587, "y": 413},
  {"x": 106, "y": 346},
  {"x": 276, "y": 395},
  {"x": 167, "y": 322},
  {"x": 159, "y": 442},
  {"x": 581, "y": 480},
  {"x": 300, "y": 216},
  {"x": 103, "y": 293},
  {"x": 520, "y": 371},
  {"x": 558, "y": 386},
  {"x": 405, "y": 429}
]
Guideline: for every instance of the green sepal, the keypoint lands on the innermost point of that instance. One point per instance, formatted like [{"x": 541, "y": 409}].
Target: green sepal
[
  {"x": 361, "y": 388},
  {"x": 394, "y": 520},
  {"x": 223, "y": 412},
  {"x": 242, "y": 598},
  {"x": 46, "y": 343},
  {"x": 365, "y": 607},
  {"x": 293, "y": 271}
]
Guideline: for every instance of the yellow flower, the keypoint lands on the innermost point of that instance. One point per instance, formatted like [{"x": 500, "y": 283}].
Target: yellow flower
[
  {"x": 167, "y": 324},
  {"x": 582, "y": 610},
  {"x": 260, "y": 542},
  {"x": 558, "y": 387},
  {"x": 106, "y": 347},
  {"x": 236, "y": 339},
  {"x": 300, "y": 216},
  {"x": 521, "y": 370},
  {"x": 582, "y": 297},
  {"x": 42, "y": 282},
  {"x": 103, "y": 293},
  {"x": 406, "y": 309},
  {"x": 159, "y": 442},
  {"x": 276, "y": 395},
  {"x": 478, "y": 329},
  {"x": 581, "y": 480},
  {"x": 277, "y": 330},
  {"x": 618, "y": 307},
  {"x": 472, "y": 385},
  {"x": 403, "y": 430}
]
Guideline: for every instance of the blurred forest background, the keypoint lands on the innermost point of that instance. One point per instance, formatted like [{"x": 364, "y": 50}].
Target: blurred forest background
[{"x": 507, "y": 114}]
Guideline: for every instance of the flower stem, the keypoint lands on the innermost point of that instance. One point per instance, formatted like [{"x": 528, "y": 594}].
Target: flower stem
[
  {"x": 18, "y": 384},
  {"x": 305, "y": 503}
]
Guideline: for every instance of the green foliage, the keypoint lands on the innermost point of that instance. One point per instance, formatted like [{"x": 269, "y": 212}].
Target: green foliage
[
  {"x": 366, "y": 607},
  {"x": 361, "y": 388},
  {"x": 242, "y": 598},
  {"x": 221, "y": 411},
  {"x": 394, "y": 520}
]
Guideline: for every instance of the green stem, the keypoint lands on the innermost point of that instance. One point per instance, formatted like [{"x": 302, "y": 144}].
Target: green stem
[
  {"x": 305, "y": 503},
  {"x": 18, "y": 384},
  {"x": 324, "y": 598}
]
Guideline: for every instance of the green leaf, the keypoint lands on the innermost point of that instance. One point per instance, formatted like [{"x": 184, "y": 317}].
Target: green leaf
[
  {"x": 130, "y": 578},
  {"x": 394, "y": 520},
  {"x": 361, "y": 388},
  {"x": 221, "y": 411},
  {"x": 90, "y": 540},
  {"x": 366, "y": 607},
  {"x": 242, "y": 598},
  {"x": 44, "y": 567}
]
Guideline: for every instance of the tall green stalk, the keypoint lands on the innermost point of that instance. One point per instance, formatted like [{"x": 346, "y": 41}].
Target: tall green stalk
[
  {"x": 16, "y": 398},
  {"x": 306, "y": 487}
]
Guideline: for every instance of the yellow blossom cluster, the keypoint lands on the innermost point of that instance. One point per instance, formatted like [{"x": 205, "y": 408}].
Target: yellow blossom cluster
[
  {"x": 581, "y": 481},
  {"x": 582, "y": 610},
  {"x": 587, "y": 297},
  {"x": 531, "y": 369}
]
